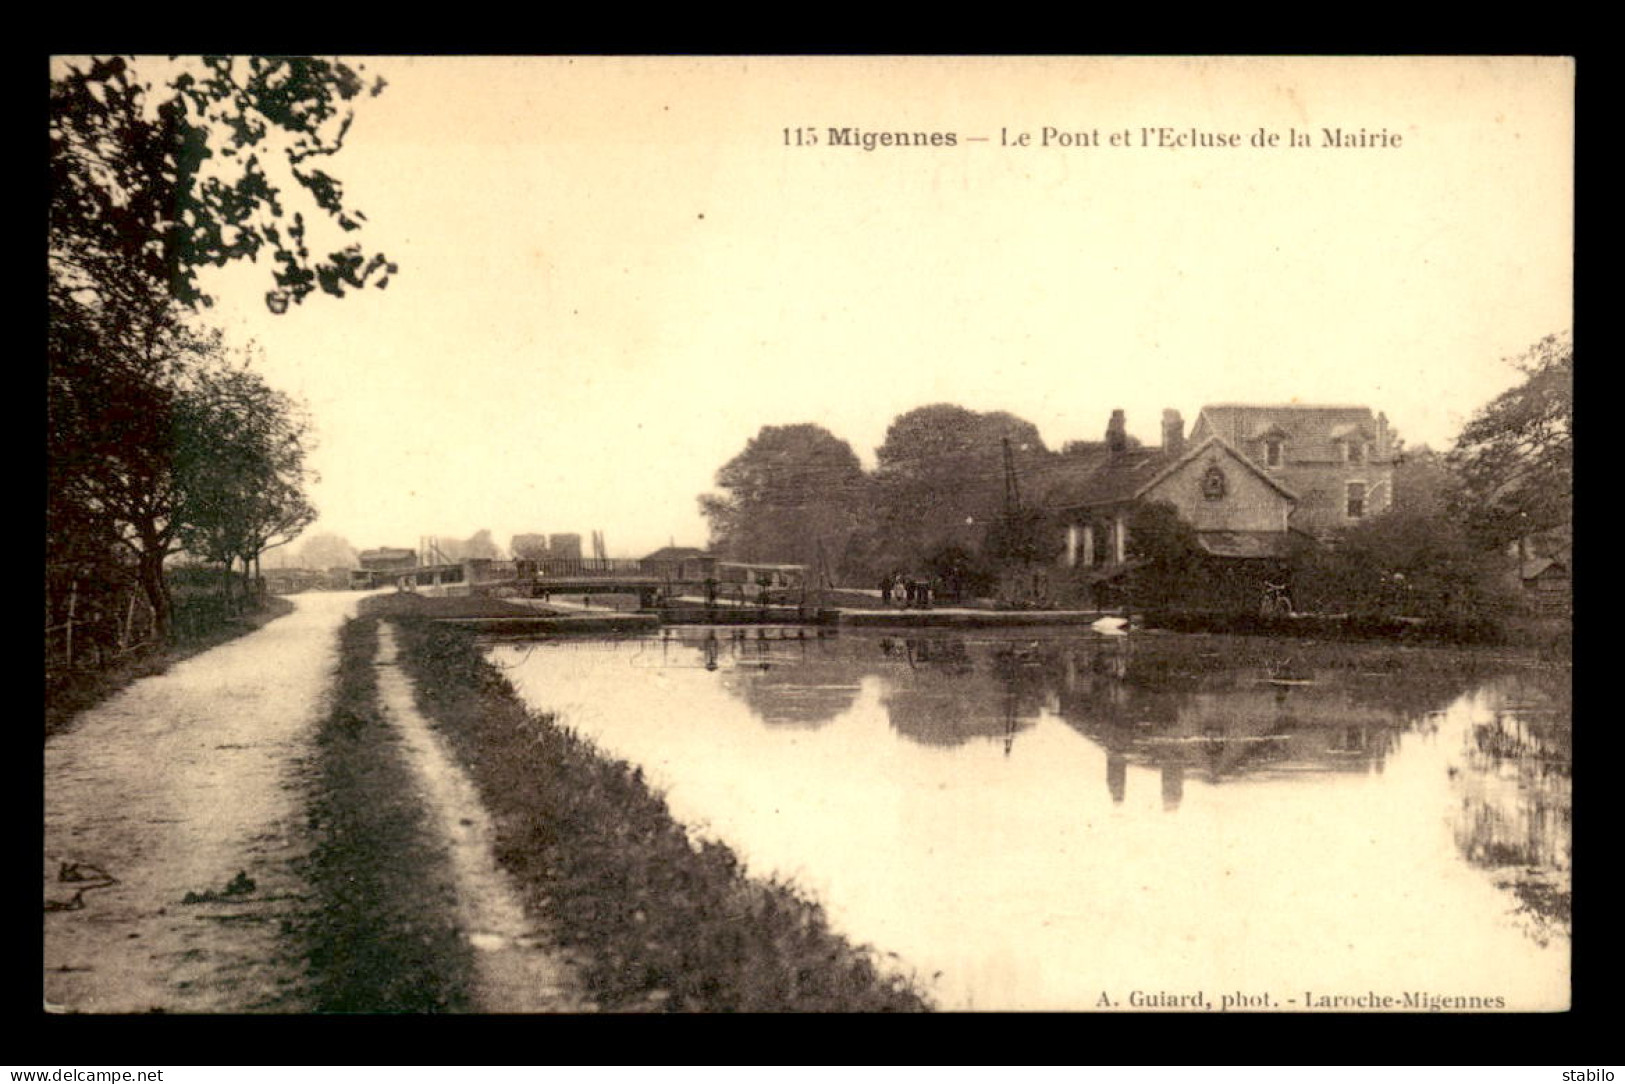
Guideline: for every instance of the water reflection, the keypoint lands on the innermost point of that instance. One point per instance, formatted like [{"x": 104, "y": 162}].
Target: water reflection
[
  {"x": 1227, "y": 723},
  {"x": 1515, "y": 782},
  {"x": 1435, "y": 790},
  {"x": 939, "y": 696}
]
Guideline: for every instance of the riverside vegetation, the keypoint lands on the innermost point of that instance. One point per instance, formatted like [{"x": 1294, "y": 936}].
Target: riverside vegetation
[
  {"x": 656, "y": 919},
  {"x": 69, "y": 691},
  {"x": 382, "y": 936}
]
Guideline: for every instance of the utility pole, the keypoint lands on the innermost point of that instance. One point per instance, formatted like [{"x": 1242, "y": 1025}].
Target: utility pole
[
  {"x": 1012, "y": 488},
  {"x": 1014, "y": 538}
]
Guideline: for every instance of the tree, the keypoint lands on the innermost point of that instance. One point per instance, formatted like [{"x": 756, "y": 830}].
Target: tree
[
  {"x": 240, "y": 463},
  {"x": 112, "y": 421},
  {"x": 1027, "y": 536},
  {"x": 1166, "y": 545},
  {"x": 793, "y": 493},
  {"x": 1515, "y": 457},
  {"x": 157, "y": 170},
  {"x": 1425, "y": 482},
  {"x": 531, "y": 547},
  {"x": 153, "y": 180},
  {"x": 325, "y": 551},
  {"x": 940, "y": 477},
  {"x": 478, "y": 545},
  {"x": 961, "y": 572},
  {"x": 1408, "y": 562},
  {"x": 481, "y": 545}
]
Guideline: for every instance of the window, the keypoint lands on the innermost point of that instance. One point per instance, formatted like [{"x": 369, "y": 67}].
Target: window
[
  {"x": 1213, "y": 484},
  {"x": 1272, "y": 452},
  {"x": 1356, "y": 451},
  {"x": 1356, "y": 500}
]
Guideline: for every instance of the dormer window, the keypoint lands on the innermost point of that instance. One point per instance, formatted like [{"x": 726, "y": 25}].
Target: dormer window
[
  {"x": 1274, "y": 451},
  {"x": 1354, "y": 441}
]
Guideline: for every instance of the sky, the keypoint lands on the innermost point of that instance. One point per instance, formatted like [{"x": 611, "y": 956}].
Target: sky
[{"x": 615, "y": 271}]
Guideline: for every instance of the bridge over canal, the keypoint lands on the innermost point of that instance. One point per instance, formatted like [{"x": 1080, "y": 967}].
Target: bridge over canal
[{"x": 650, "y": 581}]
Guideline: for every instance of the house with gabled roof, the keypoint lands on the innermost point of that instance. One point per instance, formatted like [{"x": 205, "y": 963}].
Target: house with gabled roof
[
  {"x": 1336, "y": 460},
  {"x": 1254, "y": 482},
  {"x": 1094, "y": 487},
  {"x": 1239, "y": 509}
]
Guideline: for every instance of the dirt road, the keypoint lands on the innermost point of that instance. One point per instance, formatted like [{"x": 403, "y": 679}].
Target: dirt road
[{"x": 166, "y": 794}]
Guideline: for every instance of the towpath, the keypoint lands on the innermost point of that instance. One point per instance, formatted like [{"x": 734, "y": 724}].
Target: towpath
[
  {"x": 164, "y": 794},
  {"x": 175, "y": 829}
]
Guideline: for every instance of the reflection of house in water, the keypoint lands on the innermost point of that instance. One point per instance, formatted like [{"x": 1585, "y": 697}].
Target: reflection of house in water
[{"x": 1227, "y": 725}]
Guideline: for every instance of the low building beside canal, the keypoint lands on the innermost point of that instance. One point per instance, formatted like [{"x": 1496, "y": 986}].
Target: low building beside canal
[
  {"x": 686, "y": 563},
  {"x": 386, "y": 559},
  {"x": 1547, "y": 585},
  {"x": 378, "y": 564}
]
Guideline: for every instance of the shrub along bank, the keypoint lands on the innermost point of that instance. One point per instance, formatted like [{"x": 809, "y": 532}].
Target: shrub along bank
[
  {"x": 660, "y": 921},
  {"x": 1551, "y": 639},
  {"x": 70, "y": 691}
]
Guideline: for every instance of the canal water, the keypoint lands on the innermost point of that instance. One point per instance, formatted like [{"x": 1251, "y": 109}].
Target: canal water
[{"x": 1076, "y": 821}]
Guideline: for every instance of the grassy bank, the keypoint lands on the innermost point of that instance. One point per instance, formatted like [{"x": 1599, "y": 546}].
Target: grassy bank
[
  {"x": 662, "y": 923},
  {"x": 410, "y": 603},
  {"x": 1551, "y": 638},
  {"x": 381, "y": 937},
  {"x": 70, "y": 692}
]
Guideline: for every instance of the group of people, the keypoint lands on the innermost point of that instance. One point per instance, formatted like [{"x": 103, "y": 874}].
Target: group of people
[{"x": 906, "y": 590}]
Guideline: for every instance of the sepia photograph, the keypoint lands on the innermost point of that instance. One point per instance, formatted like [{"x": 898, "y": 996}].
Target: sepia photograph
[{"x": 839, "y": 534}]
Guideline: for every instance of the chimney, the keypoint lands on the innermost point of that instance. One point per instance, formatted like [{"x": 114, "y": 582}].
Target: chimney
[
  {"x": 1173, "y": 434},
  {"x": 1382, "y": 436},
  {"x": 1117, "y": 434}
]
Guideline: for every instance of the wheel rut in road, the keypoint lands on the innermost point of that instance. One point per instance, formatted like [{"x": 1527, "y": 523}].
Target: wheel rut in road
[{"x": 518, "y": 966}]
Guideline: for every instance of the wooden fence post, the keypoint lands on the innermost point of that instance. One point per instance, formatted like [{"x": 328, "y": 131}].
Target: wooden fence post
[
  {"x": 73, "y": 600},
  {"x": 129, "y": 623}
]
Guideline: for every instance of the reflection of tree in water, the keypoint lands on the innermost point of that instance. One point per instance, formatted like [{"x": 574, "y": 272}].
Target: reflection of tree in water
[
  {"x": 782, "y": 675},
  {"x": 1026, "y": 673},
  {"x": 809, "y": 694},
  {"x": 1515, "y": 781},
  {"x": 941, "y": 697}
]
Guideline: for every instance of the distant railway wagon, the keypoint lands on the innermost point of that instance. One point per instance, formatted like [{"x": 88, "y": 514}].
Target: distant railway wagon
[
  {"x": 692, "y": 566},
  {"x": 761, "y": 575}
]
